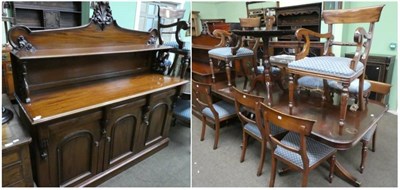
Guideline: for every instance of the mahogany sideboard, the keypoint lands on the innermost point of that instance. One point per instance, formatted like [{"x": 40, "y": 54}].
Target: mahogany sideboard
[{"x": 92, "y": 98}]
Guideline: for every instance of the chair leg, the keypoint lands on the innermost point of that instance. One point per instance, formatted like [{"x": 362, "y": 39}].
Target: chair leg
[
  {"x": 305, "y": 177},
  {"x": 273, "y": 172},
  {"x": 361, "y": 102},
  {"x": 228, "y": 72},
  {"x": 244, "y": 145},
  {"x": 291, "y": 93},
  {"x": 212, "y": 70},
  {"x": 216, "y": 138},
  {"x": 343, "y": 103},
  {"x": 332, "y": 168},
  {"x": 203, "y": 128},
  {"x": 364, "y": 150},
  {"x": 262, "y": 159},
  {"x": 374, "y": 139}
]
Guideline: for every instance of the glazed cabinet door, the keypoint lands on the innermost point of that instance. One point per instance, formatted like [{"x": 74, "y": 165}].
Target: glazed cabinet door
[
  {"x": 123, "y": 125},
  {"x": 73, "y": 149},
  {"x": 157, "y": 117}
]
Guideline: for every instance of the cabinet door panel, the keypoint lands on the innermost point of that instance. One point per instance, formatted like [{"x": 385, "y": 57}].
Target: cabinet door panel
[
  {"x": 159, "y": 117},
  {"x": 123, "y": 131},
  {"x": 74, "y": 149}
]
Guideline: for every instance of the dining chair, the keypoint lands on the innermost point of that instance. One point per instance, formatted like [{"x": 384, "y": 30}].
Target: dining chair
[
  {"x": 229, "y": 54},
  {"x": 382, "y": 90},
  {"x": 340, "y": 69},
  {"x": 251, "y": 120},
  {"x": 169, "y": 26},
  {"x": 296, "y": 149},
  {"x": 216, "y": 112}
]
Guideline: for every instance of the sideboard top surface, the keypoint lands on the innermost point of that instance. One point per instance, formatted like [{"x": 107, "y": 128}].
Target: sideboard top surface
[{"x": 55, "y": 104}]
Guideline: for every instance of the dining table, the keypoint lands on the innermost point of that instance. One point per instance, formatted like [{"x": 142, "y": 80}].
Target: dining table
[{"x": 325, "y": 130}]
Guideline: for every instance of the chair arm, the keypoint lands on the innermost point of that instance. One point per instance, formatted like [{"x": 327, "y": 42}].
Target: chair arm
[
  {"x": 359, "y": 35},
  {"x": 181, "y": 25},
  {"x": 305, "y": 34},
  {"x": 224, "y": 35}
]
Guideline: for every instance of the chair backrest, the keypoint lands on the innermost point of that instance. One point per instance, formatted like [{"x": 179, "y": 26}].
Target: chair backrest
[
  {"x": 248, "y": 103},
  {"x": 202, "y": 95},
  {"x": 382, "y": 89},
  {"x": 168, "y": 13},
  {"x": 269, "y": 21},
  {"x": 362, "y": 38},
  {"x": 250, "y": 24},
  {"x": 298, "y": 125}
]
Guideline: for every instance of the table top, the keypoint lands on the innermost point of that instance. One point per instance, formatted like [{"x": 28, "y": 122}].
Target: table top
[
  {"x": 326, "y": 128},
  {"x": 13, "y": 132},
  {"x": 54, "y": 104},
  {"x": 263, "y": 33}
]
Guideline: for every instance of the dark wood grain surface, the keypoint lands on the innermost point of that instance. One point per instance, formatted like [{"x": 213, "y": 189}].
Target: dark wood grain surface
[{"x": 54, "y": 104}]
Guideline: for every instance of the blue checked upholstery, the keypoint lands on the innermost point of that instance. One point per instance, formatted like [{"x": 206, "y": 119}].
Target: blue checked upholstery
[
  {"x": 223, "y": 108},
  {"x": 274, "y": 70},
  {"x": 315, "y": 150},
  {"x": 353, "y": 88},
  {"x": 310, "y": 82},
  {"x": 368, "y": 135},
  {"x": 186, "y": 45},
  {"x": 252, "y": 128},
  {"x": 284, "y": 58},
  {"x": 183, "y": 109},
  {"x": 327, "y": 65},
  {"x": 227, "y": 52}
]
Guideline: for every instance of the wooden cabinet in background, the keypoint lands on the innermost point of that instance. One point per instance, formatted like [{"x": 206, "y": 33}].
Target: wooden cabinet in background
[
  {"x": 47, "y": 15},
  {"x": 95, "y": 101},
  {"x": 299, "y": 16},
  {"x": 16, "y": 165},
  {"x": 379, "y": 68}
]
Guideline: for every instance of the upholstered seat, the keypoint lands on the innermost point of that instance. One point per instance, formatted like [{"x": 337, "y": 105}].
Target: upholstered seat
[
  {"x": 282, "y": 59},
  {"x": 182, "y": 110},
  {"x": 174, "y": 44},
  {"x": 327, "y": 65},
  {"x": 274, "y": 70},
  {"x": 353, "y": 88},
  {"x": 223, "y": 109},
  {"x": 369, "y": 134},
  {"x": 316, "y": 151},
  {"x": 227, "y": 52},
  {"x": 310, "y": 82}
]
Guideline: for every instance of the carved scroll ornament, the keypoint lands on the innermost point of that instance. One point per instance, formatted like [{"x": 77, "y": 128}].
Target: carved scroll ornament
[{"x": 101, "y": 13}]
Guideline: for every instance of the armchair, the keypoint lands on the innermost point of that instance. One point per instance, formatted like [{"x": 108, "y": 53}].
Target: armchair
[{"x": 340, "y": 69}]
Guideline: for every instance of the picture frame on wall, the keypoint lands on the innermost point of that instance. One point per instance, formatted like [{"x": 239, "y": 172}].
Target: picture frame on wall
[{"x": 332, "y": 5}]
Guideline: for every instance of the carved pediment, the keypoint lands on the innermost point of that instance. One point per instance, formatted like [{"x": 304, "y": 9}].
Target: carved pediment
[{"x": 102, "y": 15}]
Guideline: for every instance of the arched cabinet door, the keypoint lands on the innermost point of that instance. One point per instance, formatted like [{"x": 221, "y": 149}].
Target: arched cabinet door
[
  {"x": 73, "y": 150},
  {"x": 157, "y": 118},
  {"x": 122, "y": 132}
]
